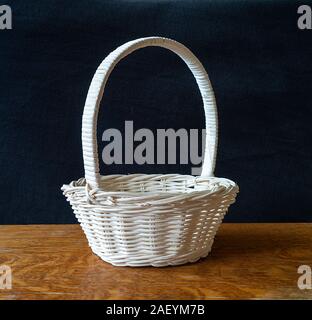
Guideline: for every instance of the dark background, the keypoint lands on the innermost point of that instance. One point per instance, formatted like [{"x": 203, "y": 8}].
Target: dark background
[{"x": 259, "y": 62}]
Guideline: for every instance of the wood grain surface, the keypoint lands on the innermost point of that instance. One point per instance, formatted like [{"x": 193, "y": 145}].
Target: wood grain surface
[{"x": 248, "y": 261}]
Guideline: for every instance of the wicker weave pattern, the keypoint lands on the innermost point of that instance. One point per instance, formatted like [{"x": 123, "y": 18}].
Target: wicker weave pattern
[{"x": 158, "y": 220}]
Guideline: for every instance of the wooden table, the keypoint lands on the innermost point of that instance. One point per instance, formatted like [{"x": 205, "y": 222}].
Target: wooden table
[{"x": 248, "y": 261}]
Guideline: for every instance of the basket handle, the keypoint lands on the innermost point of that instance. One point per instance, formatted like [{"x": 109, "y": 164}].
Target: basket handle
[{"x": 96, "y": 89}]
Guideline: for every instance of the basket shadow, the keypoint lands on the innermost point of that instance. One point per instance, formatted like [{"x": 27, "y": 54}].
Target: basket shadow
[{"x": 250, "y": 242}]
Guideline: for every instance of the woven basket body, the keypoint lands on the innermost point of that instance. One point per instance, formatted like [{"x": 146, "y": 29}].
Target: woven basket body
[{"x": 141, "y": 220}]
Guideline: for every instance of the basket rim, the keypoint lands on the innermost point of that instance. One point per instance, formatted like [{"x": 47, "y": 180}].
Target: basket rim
[{"x": 197, "y": 186}]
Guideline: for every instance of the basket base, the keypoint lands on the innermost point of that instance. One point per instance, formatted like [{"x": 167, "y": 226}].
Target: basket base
[{"x": 156, "y": 261}]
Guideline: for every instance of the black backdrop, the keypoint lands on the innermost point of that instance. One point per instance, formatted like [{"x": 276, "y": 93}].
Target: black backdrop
[{"x": 259, "y": 62}]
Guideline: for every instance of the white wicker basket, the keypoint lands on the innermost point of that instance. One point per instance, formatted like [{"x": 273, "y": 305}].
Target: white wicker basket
[{"x": 138, "y": 219}]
